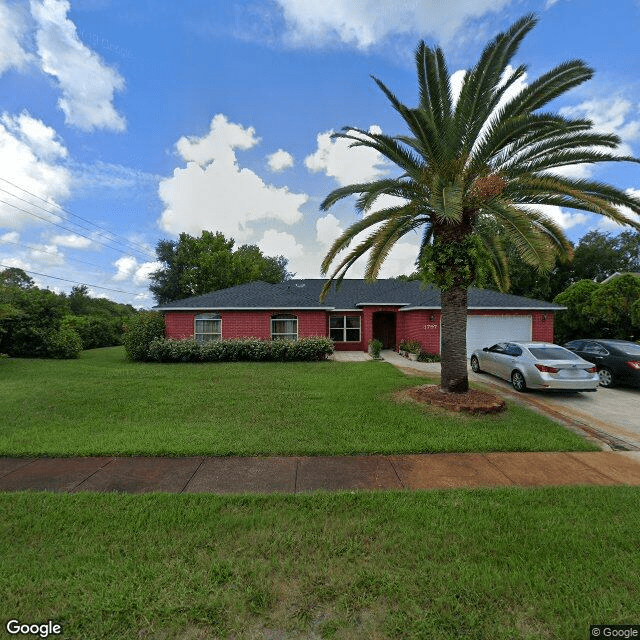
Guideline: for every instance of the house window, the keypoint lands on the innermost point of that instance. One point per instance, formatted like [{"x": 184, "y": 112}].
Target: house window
[
  {"x": 284, "y": 327},
  {"x": 208, "y": 326},
  {"x": 344, "y": 328}
]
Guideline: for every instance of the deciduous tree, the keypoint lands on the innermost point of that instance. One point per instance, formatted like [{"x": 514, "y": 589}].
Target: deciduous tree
[{"x": 193, "y": 266}]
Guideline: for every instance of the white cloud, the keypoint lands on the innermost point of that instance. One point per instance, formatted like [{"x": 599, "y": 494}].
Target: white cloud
[
  {"x": 42, "y": 139},
  {"x": 87, "y": 83},
  {"x": 346, "y": 164},
  {"x": 46, "y": 255},
  {"x": 30, "y": 156},
  {"x": 606, "y": 224},
  {"x": 456, "y": 80},
  {"x": 328, "y": 229},
  {"x": 363, "y": 24},
  {"x": 219, "y": 144},
  {"x": 110, "y": 176},
  {"x": 12, "y": 32},
  {"x": 562, "y": 218},
  {"x": 613, "y": 115},
  {"x": 11, "y": 236},
  {"x": 130, "y": 269},
  {"x": 280, "y": 160},
  {"x": 280, "y": 243},
  {"x": 212, "y": 192},
  {"x": 72, "y": 241},
  {"x": 16, "y": 262}
]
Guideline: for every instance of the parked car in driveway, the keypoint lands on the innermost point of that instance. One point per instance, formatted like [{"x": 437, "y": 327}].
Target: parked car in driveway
[
  {"x": 536, "y": 365},
  {"x": 617, "y": 361}
]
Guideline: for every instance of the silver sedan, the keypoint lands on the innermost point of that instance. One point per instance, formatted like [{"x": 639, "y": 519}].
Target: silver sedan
[{"x": 536, "y": 365}]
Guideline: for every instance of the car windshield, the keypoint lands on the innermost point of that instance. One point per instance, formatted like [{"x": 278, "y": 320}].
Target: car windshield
[
  {"x": 552, "y": 353},
  {"x": 630, "y": 349}
]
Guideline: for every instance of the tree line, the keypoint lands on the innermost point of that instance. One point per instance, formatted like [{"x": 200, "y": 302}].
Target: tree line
[{"x": 39, "y": 323}]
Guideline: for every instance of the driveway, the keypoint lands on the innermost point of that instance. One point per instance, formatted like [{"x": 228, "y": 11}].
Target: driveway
[
  {"x": 613, "y": 412},
  {"x": 610, "y": 415}
]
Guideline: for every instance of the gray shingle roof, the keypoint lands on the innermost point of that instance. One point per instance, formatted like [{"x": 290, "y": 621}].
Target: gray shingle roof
[{"x": 352, "y": 294}]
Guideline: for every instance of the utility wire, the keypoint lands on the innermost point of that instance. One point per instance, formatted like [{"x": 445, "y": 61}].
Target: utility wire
[
  {"x": 35, "y": 215},
  {"x": 52, "y": 253},
  {"x": 95, "y": 286},
  {"x": 141, "y": 248}
]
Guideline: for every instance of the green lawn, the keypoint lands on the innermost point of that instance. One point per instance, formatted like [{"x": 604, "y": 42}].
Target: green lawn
[
  {"x": 486, "y": 564},
  {"x": 103, "y": 405}
]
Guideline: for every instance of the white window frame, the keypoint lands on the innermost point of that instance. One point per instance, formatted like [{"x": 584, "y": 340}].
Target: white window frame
[
  {"x": 344, "y": 327},
  {"x": 206, "y": 336},
  {"x": 284, "y": 336}
]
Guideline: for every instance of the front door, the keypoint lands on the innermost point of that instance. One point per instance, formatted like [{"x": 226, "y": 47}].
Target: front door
[{"x": 384, "y": 328}]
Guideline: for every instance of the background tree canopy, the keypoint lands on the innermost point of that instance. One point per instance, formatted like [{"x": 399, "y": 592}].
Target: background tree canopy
[
  {"x": 40, "y": 323},
  {"x": 600, "y": 310},
  {"x": 597, "y": 256},
  {"x": 194, "y": 266}
]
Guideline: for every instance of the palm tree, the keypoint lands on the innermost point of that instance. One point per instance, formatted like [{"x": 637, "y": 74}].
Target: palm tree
[{"x": 472, "y": 172}]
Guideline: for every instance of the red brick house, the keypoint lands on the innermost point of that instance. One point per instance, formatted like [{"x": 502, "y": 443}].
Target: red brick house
[{"x": 390, "y": 310}]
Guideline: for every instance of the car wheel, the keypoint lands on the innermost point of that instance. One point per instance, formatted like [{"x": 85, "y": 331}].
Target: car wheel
[
  {"x": 475, "y": 365},
  {"x": 606, "y": 379},
  {"x": 518, "y": 381}
]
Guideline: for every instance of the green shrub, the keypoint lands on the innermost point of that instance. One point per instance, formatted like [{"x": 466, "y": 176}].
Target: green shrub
[
  {"x": 425, "y": 356},
  {"x": 96, "y": 331},
  {"x": 243, "y": 349},
  {"x": 140, "y": 332},
  {"x": 375, "y": 347},
  {"x": 412, "y": 346},
  {"x": 63, "y": 343}
]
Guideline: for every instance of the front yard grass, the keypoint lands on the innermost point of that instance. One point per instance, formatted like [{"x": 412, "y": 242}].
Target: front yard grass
[
  {"x": 502, "y": 564},
  {"x": 103, "y": 405}
]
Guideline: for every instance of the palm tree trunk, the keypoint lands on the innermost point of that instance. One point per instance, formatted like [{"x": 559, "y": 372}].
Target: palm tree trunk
[{"x": 453, "y": 326}]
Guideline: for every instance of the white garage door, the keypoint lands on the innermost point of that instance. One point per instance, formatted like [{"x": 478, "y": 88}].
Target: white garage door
[{"x": 483, "y": 331}]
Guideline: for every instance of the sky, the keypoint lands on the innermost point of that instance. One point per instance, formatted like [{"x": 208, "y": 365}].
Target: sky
[{"x": 123, "y": 123}]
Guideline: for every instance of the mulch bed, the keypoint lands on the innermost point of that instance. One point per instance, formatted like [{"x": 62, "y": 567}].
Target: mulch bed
[{"x": 472, "y": 401}]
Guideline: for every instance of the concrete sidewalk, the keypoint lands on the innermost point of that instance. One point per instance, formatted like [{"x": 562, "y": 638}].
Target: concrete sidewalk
[{"x": 306, "y": 474}]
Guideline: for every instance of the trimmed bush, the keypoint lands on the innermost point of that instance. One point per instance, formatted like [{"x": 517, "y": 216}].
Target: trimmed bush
[
  {"x": 412, "y": 346},
  {"x": 375, "y": 347},
  {"x": 64, "y": 343},
  {"x": 425, "y": 356},
  {"x": 140, "y": 332},
  {"x": 245, "y": 349}
]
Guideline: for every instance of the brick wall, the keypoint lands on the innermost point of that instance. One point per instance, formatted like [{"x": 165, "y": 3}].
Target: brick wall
[
  {"x": 542, "y": 326},
  {"x": 178, "y": 324},
  {"x": 418, "y": 325},
  {"x": 246, "y": 324},
  {"x": 410, "y": 325}
]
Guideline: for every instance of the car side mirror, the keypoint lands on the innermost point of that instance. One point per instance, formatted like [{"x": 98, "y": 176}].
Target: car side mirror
[{"x": 485, "y": 348}]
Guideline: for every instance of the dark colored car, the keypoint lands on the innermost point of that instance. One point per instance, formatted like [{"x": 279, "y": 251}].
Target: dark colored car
[{"x": 618, "y": 361}]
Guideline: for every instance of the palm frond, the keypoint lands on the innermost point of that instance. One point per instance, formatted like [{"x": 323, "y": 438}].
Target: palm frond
[
  {"x": 384, "y": 240},
  {"x": 530, "y": 241},
  {"x": 475, "y": 103},
  {"x": 547, "y": 87},
  {"x": 356, "y": 228}
]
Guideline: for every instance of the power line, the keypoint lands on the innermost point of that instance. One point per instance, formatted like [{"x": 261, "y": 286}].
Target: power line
[
  {"x": 51, "y": 253},
  {"x": 140, "y": 248},
  {"x": 35, "y": 215},
  {"x": 95, "y": 286}
]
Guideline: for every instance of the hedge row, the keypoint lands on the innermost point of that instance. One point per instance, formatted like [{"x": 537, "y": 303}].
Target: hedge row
[{"x": 247, "y": 349}]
